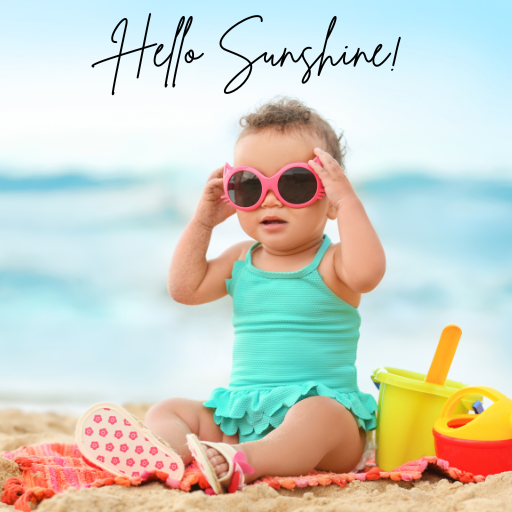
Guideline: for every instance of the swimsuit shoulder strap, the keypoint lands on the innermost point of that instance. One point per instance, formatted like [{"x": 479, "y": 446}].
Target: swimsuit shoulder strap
[
  {"x": 248, "y": 256},
  {"x": 320, "y": 254}
]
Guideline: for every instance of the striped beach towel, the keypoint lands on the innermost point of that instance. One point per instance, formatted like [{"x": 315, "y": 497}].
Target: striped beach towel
[{"x": 48, "y": 469}]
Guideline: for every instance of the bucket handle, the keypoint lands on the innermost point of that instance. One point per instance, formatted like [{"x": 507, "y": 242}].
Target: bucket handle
[{"x": 452, "y": 402}]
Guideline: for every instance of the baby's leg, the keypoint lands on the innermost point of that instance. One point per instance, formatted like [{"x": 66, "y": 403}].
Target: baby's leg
[
  {"x": 317, "y": 432},
  {"x": 174, "y": 418}
]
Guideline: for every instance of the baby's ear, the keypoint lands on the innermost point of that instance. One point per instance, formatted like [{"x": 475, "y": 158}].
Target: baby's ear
[
  {"x": 227, "y": 168},
  {"x": 331, "y": 212}
]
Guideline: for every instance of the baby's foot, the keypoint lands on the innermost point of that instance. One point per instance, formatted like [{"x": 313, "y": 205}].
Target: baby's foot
[{"x": 218, "y": 461}]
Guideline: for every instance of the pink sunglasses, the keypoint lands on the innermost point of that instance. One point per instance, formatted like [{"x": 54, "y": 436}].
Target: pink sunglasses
[{"x": 295, "y": 185}]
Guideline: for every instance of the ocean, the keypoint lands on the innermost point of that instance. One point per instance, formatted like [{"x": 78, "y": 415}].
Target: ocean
[{"x": 85, "y": 315}]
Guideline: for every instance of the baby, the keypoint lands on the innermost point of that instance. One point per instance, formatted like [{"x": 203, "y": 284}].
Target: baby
[{"x": 293, "y": 403}]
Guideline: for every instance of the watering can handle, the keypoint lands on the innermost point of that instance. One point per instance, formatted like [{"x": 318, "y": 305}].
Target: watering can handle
[{"x": 452, "y": 402}]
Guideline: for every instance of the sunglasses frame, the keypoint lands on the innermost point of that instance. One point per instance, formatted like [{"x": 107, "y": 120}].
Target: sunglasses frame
[{"x": 271, "y": 184}]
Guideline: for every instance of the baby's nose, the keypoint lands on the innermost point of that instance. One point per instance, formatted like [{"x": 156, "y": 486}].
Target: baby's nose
[{"x": 271, "y": 200}]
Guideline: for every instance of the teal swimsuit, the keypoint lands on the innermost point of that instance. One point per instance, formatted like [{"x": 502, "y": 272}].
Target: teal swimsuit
[{"x": 294, "y": 338}]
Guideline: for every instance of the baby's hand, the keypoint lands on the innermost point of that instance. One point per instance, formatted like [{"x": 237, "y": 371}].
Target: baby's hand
[
  {"x": 337, "y": 187},
  {"x": 212, "y": 210}
]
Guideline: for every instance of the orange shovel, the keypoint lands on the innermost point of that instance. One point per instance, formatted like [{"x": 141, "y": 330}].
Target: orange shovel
[{"x": 444, "y": 355}]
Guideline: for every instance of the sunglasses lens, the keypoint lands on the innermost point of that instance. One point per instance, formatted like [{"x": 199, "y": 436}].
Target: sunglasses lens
[
  {"x": 297, "y": 185},
  {"x": 244, "y": 189}
]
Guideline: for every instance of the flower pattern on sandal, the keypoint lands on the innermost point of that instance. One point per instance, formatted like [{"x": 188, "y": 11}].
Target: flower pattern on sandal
[{"x": 107, "y": 438}]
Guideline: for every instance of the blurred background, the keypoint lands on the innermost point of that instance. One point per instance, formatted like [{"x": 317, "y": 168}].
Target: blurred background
[{"x": 95, "y": 189}]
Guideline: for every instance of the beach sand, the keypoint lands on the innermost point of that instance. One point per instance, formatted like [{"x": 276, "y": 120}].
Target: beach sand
[{"x": 430, "y": 494}]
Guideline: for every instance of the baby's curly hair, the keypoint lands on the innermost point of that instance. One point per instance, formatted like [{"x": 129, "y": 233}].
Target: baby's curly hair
[{"x": 283, "y": 114}]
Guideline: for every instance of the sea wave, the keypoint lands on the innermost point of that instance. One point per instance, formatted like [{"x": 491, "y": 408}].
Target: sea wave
[
  {"x": 83, "y": 300},
  {"x": 9, "y": 183}
]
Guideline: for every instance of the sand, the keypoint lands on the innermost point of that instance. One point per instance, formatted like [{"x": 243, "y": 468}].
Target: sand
[{"x": 431, "y": 494}]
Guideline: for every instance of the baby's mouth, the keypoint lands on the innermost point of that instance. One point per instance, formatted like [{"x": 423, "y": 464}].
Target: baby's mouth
[{"x": 272, "y": 220}]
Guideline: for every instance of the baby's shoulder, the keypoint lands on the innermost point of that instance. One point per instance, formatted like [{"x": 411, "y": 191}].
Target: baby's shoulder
[
  {"x": 243, "y": 248},
  {"x": 223, "y": 264},
  {"x": 327, "y": 270},
  {"x": 233, "y": 253}
]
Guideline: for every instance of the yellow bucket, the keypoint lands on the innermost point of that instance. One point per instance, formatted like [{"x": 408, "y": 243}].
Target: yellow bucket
[{"x": 408, "y": 409}]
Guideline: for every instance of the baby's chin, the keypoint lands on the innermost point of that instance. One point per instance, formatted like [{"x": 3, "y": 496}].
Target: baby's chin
[{"x": 286, "y": 238}]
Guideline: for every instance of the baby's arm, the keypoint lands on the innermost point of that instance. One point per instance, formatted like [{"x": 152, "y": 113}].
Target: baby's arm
[
  {"x": 192, "y": 279},
  {"x": 359, "y": 259}
]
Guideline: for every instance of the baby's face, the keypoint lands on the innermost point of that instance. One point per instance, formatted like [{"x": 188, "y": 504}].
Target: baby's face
[{"x": 273, "y": 224}]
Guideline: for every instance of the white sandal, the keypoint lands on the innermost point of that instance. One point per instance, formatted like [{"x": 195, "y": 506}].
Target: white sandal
[
  {"x": 110, "y": 437},
  {"x": 234, "y": 479}
]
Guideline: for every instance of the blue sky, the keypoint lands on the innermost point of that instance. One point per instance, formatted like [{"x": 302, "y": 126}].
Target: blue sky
[
  {"x": 445, "y": 107},
  {"x": 445, "y": 110}
]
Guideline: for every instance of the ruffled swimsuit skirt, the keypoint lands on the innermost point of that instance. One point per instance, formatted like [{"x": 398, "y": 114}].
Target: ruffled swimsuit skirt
[{"x": 294, "y": 338}]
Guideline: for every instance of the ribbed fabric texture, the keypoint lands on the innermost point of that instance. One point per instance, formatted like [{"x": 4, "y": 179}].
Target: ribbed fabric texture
[{"x": 294, "y": 338}]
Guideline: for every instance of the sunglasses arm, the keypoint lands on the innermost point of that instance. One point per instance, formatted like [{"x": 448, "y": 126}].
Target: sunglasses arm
[{"x": 227, "y": 168}]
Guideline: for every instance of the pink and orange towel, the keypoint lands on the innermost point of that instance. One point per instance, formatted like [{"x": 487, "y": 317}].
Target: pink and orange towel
[
  {"x": 411, "y": 471},
  {"x": 48, "y": 469}
]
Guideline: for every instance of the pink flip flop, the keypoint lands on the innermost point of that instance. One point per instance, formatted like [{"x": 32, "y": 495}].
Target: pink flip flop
[
  {"x": 237, "y": 465},
  {"x": 114, "y": 440}
]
